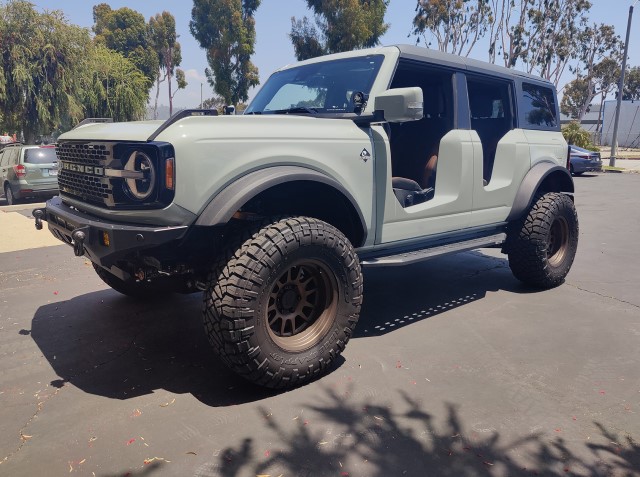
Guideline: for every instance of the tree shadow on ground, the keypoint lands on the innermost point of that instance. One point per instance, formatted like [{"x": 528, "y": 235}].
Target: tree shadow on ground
[{"x": 361, "y": 438}]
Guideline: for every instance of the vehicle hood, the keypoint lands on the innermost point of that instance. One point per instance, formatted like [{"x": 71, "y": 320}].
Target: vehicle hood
[{"x": 132, "y": 131}]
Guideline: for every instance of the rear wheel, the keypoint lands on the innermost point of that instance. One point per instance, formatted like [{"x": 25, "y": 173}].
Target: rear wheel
[
  {"x": 286, "y": 302},
  {"x": 543, "y": 245},
  {"x": 8, "y": 194}
]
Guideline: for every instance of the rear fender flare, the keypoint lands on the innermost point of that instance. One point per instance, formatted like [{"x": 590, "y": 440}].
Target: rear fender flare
[{"x": 551, "y": 172}]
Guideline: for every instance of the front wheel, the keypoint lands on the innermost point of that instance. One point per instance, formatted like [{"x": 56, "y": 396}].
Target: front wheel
[
  {"x": 543, "y": 245},
  {"x": 285, "y": 304}
]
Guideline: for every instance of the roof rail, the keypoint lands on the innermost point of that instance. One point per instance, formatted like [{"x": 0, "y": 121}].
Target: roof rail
[
  {"x": 93, "y": 120},
  {"x": 185, "y": 113}
]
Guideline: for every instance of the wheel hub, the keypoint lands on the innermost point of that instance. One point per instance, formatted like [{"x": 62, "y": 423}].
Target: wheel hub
[
  {"x": 301, "y": 305},
  {"x": 288, "y": 299},
  {"x": 558, "y": 241}
]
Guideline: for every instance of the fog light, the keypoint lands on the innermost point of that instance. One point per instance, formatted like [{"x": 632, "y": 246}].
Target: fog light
[{"x": 104, "y": 238}]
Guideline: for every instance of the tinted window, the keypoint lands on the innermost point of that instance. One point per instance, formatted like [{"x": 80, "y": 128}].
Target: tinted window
[
  {"x": 44, "y": 155},
  {"x": 538, "y": 107},
  {"x": 488, "y": 100}
]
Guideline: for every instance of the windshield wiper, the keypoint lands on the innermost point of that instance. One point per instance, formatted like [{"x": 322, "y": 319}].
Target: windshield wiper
[{"x": 296, "y": 110}]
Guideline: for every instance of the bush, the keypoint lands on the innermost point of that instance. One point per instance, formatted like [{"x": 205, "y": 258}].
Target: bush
[{"x": 577, "y": 136}]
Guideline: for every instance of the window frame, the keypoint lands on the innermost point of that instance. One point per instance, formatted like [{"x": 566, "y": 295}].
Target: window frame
[{"x": 491, "y": 80}]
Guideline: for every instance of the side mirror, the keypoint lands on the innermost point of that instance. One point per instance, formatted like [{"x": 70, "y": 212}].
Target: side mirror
[{"x": 400, "y": 104}]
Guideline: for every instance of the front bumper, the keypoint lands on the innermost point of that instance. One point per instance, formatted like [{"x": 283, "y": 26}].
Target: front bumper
[{"x": 85, "y": 233}]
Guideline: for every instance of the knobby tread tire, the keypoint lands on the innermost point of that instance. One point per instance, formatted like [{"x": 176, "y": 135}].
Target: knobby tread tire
[
  {"x": 233, "y": 305},
  {"x": 528, "y": 241}
]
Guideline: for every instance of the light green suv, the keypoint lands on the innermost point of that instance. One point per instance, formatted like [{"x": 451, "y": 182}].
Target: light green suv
[
  {"x": 379, "y": 157},
  {"x": 28, "y": 172}
]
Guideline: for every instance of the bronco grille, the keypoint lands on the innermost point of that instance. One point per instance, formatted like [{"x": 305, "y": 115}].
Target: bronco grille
[
  {"x": 81, "y": 172},
  {"x": 112, "y": 174}
]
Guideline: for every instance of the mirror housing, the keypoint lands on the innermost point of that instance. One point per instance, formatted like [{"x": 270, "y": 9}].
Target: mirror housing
[{"x": 400, "y": 105}]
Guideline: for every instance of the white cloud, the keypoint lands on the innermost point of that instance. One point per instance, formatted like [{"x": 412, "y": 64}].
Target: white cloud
[{"x": 194, "y": 75}]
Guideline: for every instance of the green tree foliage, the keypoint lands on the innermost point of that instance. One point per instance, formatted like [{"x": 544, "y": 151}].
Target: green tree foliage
[
  {"x": 575, "y": 95},
  {"x": 164, "y": 40},
  {"x": 113, "y": 86},
  {"x": 340, "y": 25},
  {"x": 574, "y": 134},
  {"x": 600, "y": 55},
  {"x": 226, "y": 30},
  {"x": 457, "y": 25},
  {"x": 125, "y": 31},
  {"x": 41, "y": 63},
  {"x": 632, "y": 84}
]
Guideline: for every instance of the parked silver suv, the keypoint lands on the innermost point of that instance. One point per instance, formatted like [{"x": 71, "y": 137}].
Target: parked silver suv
[
  {"x": 28, "y": 171},
  {"x": 379, "y": 157}
]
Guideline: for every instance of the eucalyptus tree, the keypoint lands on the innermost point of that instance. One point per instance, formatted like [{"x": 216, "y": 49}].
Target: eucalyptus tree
[
  {"x": 340, "y": 25},
  {"x": 457, "y": 25},
  {"x": 164, "y": 40},
  {"x": 41, "y": 59},
  {"x": 632, "y": 84},
  {"x": 225, "y": 29}
]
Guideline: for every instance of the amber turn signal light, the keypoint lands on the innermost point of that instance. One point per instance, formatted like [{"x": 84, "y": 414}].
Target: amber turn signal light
[{"x": 169, "y": 173}]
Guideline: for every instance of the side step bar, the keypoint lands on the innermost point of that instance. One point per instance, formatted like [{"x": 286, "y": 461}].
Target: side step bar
[{"x": 407, "y": 258}]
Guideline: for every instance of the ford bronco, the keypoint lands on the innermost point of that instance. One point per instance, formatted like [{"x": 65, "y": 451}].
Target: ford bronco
[{"x": 379, "y": 157}]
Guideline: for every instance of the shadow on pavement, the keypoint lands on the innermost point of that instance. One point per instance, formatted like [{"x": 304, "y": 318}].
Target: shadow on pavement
[
  {"x": 379, "y": 440},
  {"x": 112, "y": 346},
  {"x": 109, "y": 345},
  {"x": 398, "y": 296}
]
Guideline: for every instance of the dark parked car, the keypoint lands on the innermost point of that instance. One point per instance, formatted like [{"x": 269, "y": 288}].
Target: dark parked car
[
  {"x": 583, "y": 160},
  {"x": 28, "y": 171}
]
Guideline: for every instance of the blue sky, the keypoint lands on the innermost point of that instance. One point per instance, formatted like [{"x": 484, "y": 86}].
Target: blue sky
[{"x": 273, "y": 22}]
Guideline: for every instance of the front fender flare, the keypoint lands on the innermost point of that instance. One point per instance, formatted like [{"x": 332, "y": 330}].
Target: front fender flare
[
  {"x": 222, "y": 207},
  {"x": 531, "y": 185}
]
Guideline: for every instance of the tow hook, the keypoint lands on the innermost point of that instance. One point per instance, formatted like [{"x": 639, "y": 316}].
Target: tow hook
[
  {"x": 38, "y": 214},
  {"x": 79, "y": 236}
]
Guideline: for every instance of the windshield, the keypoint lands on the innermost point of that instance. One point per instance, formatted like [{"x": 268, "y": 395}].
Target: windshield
[
  {"x": 324, "y": 88},
  {"x": 41, "y": 155}
]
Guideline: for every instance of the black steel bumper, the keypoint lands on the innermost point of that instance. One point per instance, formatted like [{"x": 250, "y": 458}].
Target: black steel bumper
[{"x": 86, "y": 233}]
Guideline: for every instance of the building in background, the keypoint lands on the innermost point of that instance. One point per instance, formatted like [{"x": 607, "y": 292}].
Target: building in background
[{"x": 628, "y": 128}]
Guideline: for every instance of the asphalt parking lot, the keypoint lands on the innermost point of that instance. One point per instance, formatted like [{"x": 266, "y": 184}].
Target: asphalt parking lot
[{"x": 456, "y": 369}]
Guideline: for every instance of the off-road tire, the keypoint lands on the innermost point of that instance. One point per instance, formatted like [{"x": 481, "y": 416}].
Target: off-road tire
[
  {"x": 284, "y": 305},
  {"x": 542, "y": 246},
  {"x": 9, "y": 196},
  {"x": 132, "y": 289}
]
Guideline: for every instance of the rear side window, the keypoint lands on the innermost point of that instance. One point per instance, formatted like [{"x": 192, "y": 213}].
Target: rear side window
[
  {"x": 44, "y": 155},
  {"x": 538, "y": 107}
]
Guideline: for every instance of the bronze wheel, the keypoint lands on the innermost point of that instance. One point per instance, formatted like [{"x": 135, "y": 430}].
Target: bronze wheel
[
  {"x": 558, "y": 241},
  {"x": 284, "y": 306},
  {"x": 302, "y": 305},
  {"x": 543, "y": 244}
]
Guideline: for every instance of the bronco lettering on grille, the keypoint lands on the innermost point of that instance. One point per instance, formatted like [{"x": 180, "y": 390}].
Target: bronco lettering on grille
[{"x": 93, "y": 170}]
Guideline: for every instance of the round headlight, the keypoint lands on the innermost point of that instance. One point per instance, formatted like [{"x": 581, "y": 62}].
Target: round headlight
[{"x": 142, "y": 186}]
